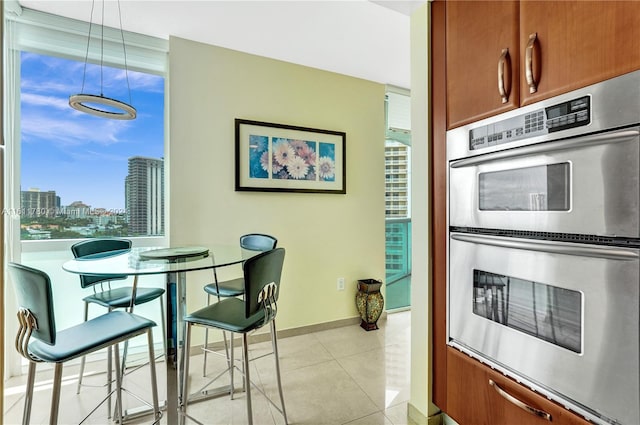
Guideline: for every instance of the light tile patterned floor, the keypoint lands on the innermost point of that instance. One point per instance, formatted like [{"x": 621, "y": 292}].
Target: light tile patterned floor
[{"x": 333, "y": 377}]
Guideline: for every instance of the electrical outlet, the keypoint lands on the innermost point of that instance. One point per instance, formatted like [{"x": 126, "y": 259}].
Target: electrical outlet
[{"x": 341, "y": 284}]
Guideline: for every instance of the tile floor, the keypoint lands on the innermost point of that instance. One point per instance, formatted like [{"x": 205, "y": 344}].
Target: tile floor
[{"x": 333, "y": 377}]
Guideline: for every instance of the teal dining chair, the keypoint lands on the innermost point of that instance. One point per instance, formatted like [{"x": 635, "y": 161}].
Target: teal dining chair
[
  {"x": 262, "y": 274},
  {"x": 38, "y": 341},
  {"x": 233, "y": 287},
  {"x": 106, "y": 296}
]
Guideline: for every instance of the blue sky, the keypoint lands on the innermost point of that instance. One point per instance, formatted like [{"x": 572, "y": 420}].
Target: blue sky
[{"x": 82, "y": 157}]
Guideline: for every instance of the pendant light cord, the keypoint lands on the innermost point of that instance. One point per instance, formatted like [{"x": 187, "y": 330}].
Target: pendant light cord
[
  {"x": 86, "y": 56},
  {"x": 102, "y": 50},
  {"x": 102, "y": 106},
  {"x": 124, "y": 49}
]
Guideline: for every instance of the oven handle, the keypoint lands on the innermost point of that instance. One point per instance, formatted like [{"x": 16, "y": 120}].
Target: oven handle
[
  {"x": 610, "y": 253},
  {"x": 543, "y": 148},
  {"x": 536, "y": 412}
]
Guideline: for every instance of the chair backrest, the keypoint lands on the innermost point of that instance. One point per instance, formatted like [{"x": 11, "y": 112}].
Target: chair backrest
[
  {"x": 33, "y": 292},
  {"x": 261, "y": 271},
  {"x": 258, "y": 242},
  {"x": 94, "y": 247}
]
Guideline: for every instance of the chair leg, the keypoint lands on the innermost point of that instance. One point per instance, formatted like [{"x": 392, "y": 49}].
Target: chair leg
[
  {"x": 118, "y": 414},
  {"x": 231, "y": 363},
  {"x": 126, "y": 344},
  {"x": 206, "y": 342},
  {"x": 185, "y": 373},
  {"x": 164, "y": 326},
  {"x": 274, "y": 343},
  {"x": 124, "y": 358},
  {"x": 247, "y": 379},
  {"x": 55, "y": 397},
  {"x": 82, "y": 360},
  {"x": 152, "y": 371},
  {"x": 28, "y": 400},
  {"x": 109, "y": 378}
]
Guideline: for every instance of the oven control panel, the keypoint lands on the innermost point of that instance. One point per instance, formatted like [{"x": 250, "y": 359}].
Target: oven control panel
[{"x": 562, "y": 116}]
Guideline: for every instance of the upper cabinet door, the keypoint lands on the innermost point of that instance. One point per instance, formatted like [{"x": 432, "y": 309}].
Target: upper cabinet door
[
  {"x": 566, "y": 45},
  {"x": 482, "y": 59}
]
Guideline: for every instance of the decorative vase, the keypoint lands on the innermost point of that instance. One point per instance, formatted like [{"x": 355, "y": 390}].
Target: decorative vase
[{"x": 369, "y": 302}]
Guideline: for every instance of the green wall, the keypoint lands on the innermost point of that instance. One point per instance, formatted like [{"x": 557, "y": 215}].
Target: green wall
[{"x": 326, "y": 235}]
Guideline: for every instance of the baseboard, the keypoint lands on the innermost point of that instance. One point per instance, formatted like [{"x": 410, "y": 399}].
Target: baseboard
[
  {"x": 417, "y": 418},
  {"x": 302, "y": 330},
  {"x": 437, "y": 419}
]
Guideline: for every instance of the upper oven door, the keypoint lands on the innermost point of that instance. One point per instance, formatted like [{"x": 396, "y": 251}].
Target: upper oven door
[{"x": 584, "y": 185}]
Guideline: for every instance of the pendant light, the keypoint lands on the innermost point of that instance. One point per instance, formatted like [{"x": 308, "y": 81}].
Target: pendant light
[{"x": 98, "y": 104}]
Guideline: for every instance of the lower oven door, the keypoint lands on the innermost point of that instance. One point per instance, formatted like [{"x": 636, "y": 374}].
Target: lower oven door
[{"x": 561, "y": 317}]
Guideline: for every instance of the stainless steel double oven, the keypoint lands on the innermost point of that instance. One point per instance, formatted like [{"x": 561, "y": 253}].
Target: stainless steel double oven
[{"x": 544, "y": 247}]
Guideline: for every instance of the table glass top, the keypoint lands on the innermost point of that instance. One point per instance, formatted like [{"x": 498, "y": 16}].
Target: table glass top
[{"x": 154, "y": 260}]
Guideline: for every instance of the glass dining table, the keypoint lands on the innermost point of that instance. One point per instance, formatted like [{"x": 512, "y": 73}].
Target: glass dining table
[{"x": 174, "y": 262}]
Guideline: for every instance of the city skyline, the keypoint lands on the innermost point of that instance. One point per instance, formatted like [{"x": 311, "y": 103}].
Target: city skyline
[
  {"x": 79, "y": 156},
  {"x": 61, "y": 204}
]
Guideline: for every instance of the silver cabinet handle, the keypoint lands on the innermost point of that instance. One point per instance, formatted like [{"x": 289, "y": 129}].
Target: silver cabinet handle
[
  {"x": 551, "y": 247},
  {"x": 536, "y": 412},
  {"x": 533, "y": 86},
  {"x": 504, "y": 57}
]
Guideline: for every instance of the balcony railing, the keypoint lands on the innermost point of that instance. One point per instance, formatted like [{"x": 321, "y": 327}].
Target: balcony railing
[{"x": 398, "y": 263}]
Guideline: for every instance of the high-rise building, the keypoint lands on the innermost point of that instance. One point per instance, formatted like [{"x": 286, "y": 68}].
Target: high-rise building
[
  {"x": 397, "y": 209},
  {"x": 396, "y": 162},
  {"x": 36, "y": 203},
  {"x": 144, "y": 196}
]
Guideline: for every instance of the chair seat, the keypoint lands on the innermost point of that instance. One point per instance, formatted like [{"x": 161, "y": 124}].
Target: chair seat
[
  {"x": 228, "y": 315},
  {"x": 90, "y": 336},
  {"x": 228, "y": 288},
  {"x": 121, "y": 297}
]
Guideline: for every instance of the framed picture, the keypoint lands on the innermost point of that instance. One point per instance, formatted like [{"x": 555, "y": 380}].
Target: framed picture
[{"x": 284, "y": 158}]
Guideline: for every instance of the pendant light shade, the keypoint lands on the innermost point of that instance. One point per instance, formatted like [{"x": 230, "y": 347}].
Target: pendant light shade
[
  {"x": 119, "y": 110},
  {"x": 98, "y": 104}
]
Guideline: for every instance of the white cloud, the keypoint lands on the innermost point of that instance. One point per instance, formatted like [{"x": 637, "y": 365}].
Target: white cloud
[
  {"x": 70, "y": 129},
  {"x": 93, "y": 155},
  {"x": 36, "y": 100},
  {"x": 47, "y": 86}
]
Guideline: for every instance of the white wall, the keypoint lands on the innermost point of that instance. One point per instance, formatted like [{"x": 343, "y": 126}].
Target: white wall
[
  {"x": 420, "y": 404},
  {"x": 326, "y": 235}
]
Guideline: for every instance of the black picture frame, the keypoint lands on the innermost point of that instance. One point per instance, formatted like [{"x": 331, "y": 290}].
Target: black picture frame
[{"x": 273, "y": 157}]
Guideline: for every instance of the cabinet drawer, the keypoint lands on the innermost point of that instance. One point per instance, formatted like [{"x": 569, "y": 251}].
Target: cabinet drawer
[{"x": 478, "y": 395}]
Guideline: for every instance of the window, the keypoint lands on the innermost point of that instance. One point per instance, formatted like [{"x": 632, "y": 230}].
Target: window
[
  {"x": 74, "y": 175},
  {"x": 85, "y": 176},
  {"x": 547, "y": 312}
]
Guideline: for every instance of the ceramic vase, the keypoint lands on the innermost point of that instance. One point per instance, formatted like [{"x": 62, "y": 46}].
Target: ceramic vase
[{"x": 370, "y": 303}]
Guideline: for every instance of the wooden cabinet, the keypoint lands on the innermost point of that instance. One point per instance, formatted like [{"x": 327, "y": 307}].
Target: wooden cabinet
[
  {"x": 578, "y": 43},
  {"x": 552, "y": 47},
  {"x": 477, "y": 35},
  {"x": 482, "y": 38},
  {"x": 478, "y": 395}
]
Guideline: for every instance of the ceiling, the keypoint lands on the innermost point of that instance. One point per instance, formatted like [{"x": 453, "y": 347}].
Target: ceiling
[{"x": 360, "y": 38}]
